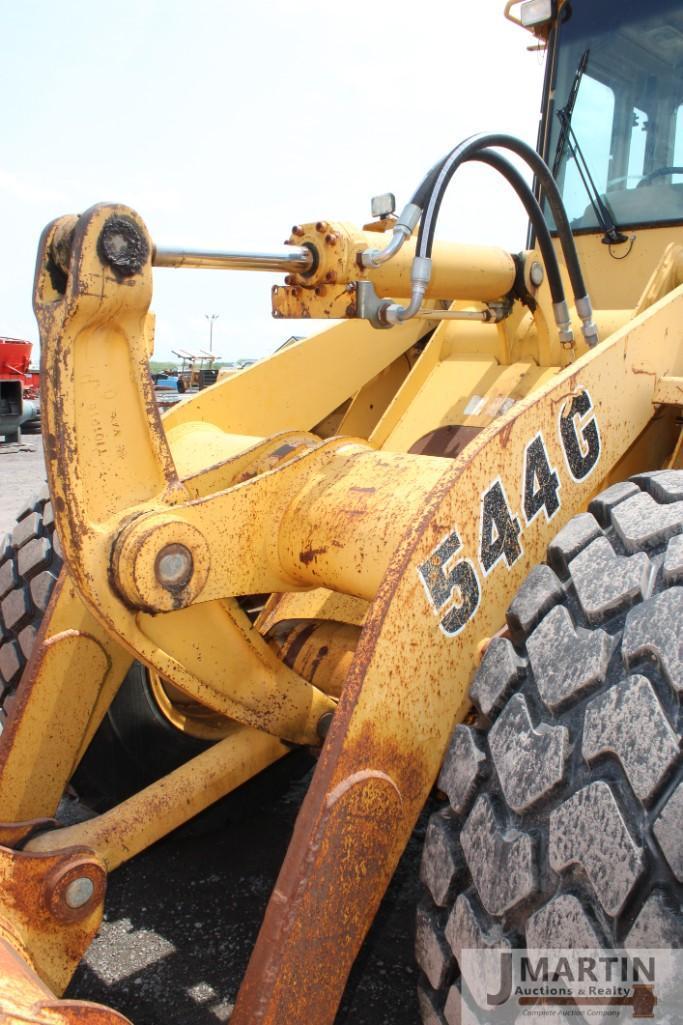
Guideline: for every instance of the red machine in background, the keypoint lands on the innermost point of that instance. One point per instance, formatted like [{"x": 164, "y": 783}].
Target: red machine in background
[{"x": 19, "y": 388}]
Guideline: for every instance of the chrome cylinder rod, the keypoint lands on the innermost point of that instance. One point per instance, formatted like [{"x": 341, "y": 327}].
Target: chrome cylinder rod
[{"x": 289, "y": 259}]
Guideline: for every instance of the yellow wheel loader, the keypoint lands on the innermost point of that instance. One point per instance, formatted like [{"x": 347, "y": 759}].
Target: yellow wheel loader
[{"x": 439, "y": 542}]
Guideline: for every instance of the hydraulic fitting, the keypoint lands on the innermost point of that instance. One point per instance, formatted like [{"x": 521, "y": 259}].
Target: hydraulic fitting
[
  {"x": 402, "y": 230},
  {"x": 420, "y": 274},
  {"x": 588, "y": 325},
  {"x": 564, "y": 324}
]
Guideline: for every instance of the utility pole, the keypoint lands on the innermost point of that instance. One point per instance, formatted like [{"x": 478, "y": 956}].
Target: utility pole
[{"x": 211, "y": 317}]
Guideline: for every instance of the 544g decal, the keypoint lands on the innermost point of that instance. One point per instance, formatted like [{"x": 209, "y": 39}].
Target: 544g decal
[{"x": 453, "y": 585}]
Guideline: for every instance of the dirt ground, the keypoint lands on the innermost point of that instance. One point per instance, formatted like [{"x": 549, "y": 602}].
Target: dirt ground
[{"x": 182, "y": 918}]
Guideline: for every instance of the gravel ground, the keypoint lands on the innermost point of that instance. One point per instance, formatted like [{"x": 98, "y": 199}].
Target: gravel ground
[
  {"x": 22, "y": 472},
  {"x": 182, "y": 917}
]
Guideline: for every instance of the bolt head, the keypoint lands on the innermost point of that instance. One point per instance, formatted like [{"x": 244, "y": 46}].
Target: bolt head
[
  {"x": 79, "y": 892},
  {"x": 174, "y": 566},
  {"x": 536, "y": 273}
]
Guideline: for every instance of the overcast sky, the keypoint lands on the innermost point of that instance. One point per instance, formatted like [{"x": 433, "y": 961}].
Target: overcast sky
[{"x": 223, "y": 123}]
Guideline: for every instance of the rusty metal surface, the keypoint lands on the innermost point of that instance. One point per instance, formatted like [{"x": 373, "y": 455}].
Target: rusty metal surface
[
  {"x": 328, "y": 291},
  {"x": 371, "y": 401},
  {"x": 322, "y": 302},
  {"x": 316, "y": 604},
  {"x": 237, "y": 458},
  {"x": 409, "y": 678},
  {"x": 35, "y": 912},
  {"x": 148, "y": 963},
  {"x": 26, "y": 1000},
  {"x": 184, "y": 714}
]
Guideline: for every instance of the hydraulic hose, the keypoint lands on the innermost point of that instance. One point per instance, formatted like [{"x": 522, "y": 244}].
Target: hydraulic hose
[
  {"x": 424, "y": 189},
  {"x": 431, "y": 192},
  {"x": 535, "y": 214},
  {"x": 478, "y": 142}
]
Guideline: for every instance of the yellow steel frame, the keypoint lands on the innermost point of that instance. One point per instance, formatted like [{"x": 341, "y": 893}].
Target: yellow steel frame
[{"x": 357, "y": 530}]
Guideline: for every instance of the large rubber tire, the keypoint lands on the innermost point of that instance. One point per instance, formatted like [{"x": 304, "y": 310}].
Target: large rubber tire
[
  {"x": 564, "y": 821},
  {"x": 135, "y": 744},
  {"x": 30, "y": 561}
]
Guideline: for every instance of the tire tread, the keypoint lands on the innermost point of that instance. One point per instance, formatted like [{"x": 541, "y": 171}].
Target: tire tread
[{"x": 571, "y": 828}]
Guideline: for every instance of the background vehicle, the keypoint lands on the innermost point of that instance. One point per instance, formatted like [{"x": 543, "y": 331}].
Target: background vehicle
[
  {"x": 19, "y": 388},
  {"x": 392, "y": 486},
  {"x": 197, "y": 370}
]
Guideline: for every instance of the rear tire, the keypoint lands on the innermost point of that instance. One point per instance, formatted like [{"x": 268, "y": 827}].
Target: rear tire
[{"x": 564, "y": 820}]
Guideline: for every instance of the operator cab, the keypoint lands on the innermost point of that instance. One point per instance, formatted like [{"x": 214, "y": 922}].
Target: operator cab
[{"x": 615, "y": 131}]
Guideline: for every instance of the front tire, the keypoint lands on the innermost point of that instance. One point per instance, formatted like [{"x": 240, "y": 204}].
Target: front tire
[{"x": 563, "y": 825}]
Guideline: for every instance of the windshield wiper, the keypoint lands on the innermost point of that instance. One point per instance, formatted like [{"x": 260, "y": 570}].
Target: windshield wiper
[
  {"x": 567, "y": 140},
  {"x": 565, "y": 113}
]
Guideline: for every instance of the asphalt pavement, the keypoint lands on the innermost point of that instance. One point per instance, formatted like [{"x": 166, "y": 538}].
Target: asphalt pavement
[{"x": 181, "y": 918}]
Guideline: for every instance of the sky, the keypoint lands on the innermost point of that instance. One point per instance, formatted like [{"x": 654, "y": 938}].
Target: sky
[{"x": 224, "y": 123}]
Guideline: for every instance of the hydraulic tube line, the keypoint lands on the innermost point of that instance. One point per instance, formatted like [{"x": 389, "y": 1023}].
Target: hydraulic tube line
[
  {"x": 289, "y": 259},
  {"x": 403, "y": 229}
]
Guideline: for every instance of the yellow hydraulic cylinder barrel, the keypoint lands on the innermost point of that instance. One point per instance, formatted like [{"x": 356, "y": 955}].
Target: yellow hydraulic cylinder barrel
[{"x": 458, "y": 271}]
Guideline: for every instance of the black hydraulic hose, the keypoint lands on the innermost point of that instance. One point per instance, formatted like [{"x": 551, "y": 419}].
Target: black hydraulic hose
[
  {"x": 424, "y": 189},
  {"x": 535, "y": 214},
  {"x": 421, "y": 194},
  {"x": 436, "y": 182}
]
